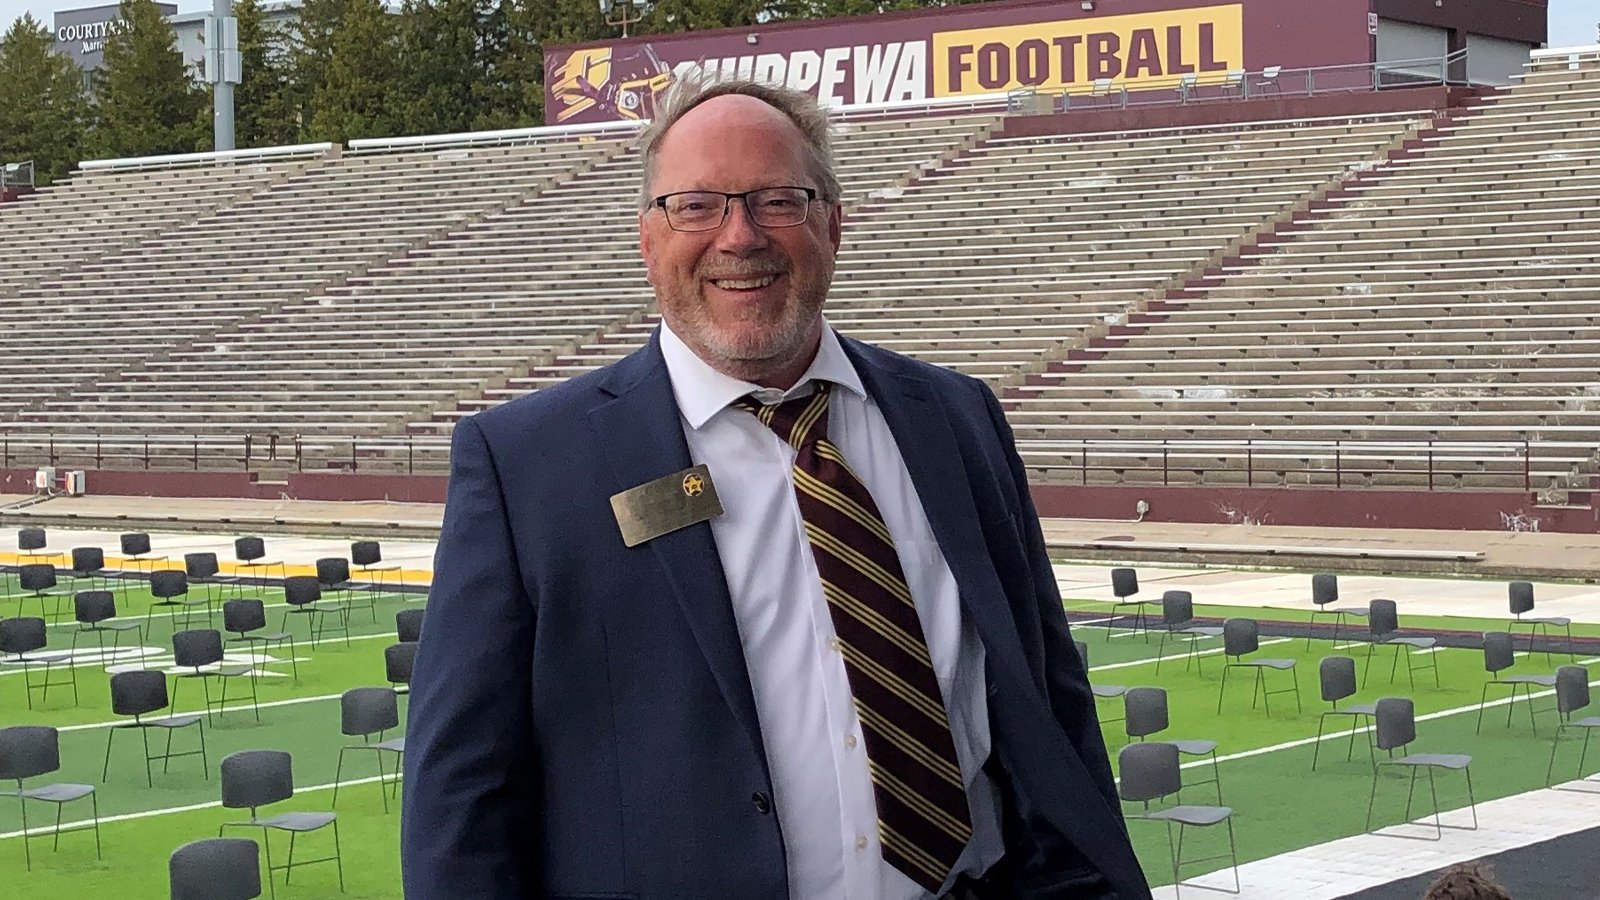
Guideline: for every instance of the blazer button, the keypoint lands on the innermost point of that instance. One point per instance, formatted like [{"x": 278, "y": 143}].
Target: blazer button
[{"x": 762, "y": 803}]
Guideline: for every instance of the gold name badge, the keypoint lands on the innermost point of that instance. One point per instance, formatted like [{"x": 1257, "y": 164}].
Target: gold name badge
[{"x": 665, "y": 505}]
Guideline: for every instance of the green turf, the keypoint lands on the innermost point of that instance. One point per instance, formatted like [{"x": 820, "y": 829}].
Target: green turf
[
  {"x": 1468, "y": 624},
  {"x": 1279, "y": 803}
]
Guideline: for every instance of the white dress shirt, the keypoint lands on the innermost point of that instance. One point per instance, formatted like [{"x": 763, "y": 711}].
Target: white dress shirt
[{"x": 821, "y": 785}]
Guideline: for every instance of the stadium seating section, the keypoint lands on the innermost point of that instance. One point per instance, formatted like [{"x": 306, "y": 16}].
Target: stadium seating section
[{"x": 1363, "y": 299}]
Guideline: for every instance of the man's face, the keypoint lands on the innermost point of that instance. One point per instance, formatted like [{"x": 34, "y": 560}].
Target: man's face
[{"x": 744, "y": 298}]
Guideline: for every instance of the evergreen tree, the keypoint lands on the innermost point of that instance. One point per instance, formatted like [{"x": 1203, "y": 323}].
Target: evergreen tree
[
  {"x": 441, "y": 69},
  {"x": 356, "y": 99},
  {"x": 146, "y": 101},
  {"x": 308, "y": 54},
  {"x": 265, "y": 114},
  {"x": 43, "y": 107}
]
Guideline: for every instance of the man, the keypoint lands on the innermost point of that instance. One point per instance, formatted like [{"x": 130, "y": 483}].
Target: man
[{"x": 759, "y": 611}]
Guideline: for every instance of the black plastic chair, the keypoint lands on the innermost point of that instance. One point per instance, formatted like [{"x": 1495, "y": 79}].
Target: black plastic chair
[
  {"x": 170, "y": 587},
  {"x": 30, "y": 543},
  {"x": 1240, "y": 638},
  {"x": 1520, "y": 595},
  {"x": 96, "y": 612},
  {"x": 1145, "y": 715},
  {"x": 398, "y": 662},
  {"x": 369, "y": 556},
  {"x": 333, "y": 575},
  {"x": 199, "y": 651},
  {"x": 303, "y": 594},
  {"x": 1100, "y": 691},
  {"x": 22, "y": 639},
  {"x": 247, "y": 618},
  {"x": 203, "y": 569},
  {"x": 29, "y": 751},
  {"x": 89, "y": 564},
  {"x": 1498, "y": 657},
  {"x": 252, "y": 779},
  {"x": 1396, "y": 730},
  {"x": 1150, "y": 773},
  {"x": 216, "y": 869},
  {"x": 138, "y": 694},
  {"x": 39, "y": 581},
  {"x": 1572, "y": 697},
  {"x": 363, "y": 713},
  {"x": 1325, "y": 592},
  {"x": 1177, "y": 617},
  {"x": 251, "y": 553},
  {"x": 1383, "y": 627},
  {"x": 1124, "y": 585},
  {"x": 1338, "y": 677},
  {"x": 408, "y": 625},
  {"x": 136, "y": 549}
]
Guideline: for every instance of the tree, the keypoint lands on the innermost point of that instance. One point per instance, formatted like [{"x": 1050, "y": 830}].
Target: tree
[
  {"x": 308, "y": 52},
  {"x": 43, "y": 107},
  {"x": 440, "y": 65},
  {"x": 355, "y": 99},
  {"x": 146, "y": 101},
  {"x": 265, "y": 114}
]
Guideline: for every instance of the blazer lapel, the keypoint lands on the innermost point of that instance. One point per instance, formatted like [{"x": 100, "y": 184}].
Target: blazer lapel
[
  {"x": 1041, "y": 751},
  {"x": 933, "y": 458},
  {"x": 643, "y": 436}
]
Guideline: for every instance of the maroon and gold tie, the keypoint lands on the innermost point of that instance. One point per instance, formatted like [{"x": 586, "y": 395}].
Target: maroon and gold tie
[{"x": 923, "y": 818}]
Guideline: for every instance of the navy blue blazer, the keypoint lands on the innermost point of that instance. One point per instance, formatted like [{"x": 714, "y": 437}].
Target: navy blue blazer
[{"x": 581, "y": 722}]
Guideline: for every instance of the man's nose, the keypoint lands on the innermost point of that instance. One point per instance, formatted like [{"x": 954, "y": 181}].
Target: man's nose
[{"x": 739, "y": 233}]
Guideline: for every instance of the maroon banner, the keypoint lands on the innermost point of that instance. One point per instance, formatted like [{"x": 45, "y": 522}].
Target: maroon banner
[{"x": 963, "y": 51}]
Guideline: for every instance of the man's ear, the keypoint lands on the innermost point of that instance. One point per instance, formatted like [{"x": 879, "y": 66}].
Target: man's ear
[{"x": 835, "y": 225}]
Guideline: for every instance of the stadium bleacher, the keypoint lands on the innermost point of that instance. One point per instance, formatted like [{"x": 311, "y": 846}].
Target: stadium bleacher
[{"x": 1281, "y": 281}]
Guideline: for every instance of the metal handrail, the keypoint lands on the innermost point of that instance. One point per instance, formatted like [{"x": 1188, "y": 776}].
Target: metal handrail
[
  {"x": 421, "y": 454},
  {"x": 1243, "y": 84}
]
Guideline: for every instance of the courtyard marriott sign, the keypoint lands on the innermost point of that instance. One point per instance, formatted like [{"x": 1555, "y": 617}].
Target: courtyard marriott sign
[{"x": 81, "y": 33}]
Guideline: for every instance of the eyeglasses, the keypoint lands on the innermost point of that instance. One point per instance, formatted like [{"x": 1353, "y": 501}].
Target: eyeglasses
[{"x": 775, "y": 207}]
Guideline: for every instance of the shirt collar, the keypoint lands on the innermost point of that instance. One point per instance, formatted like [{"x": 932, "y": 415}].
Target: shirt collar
[{"x": 702, "y": 391}]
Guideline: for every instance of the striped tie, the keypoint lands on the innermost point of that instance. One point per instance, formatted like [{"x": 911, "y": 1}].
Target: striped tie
[{"x": 923, "y": 819}]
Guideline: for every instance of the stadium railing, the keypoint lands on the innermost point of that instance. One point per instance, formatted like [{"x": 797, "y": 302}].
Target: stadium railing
[{"x": 1243, "y": 84}]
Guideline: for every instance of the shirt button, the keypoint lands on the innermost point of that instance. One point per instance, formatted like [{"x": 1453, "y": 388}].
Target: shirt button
[
  {"x": 849, "y": 742},
  {"x": 861, "y": 842},
  {"x": 836, "y": 645}
]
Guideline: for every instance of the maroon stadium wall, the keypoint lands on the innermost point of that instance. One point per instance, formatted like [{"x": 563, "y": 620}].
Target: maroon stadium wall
[
  {"x": 1355, "y": 508},
  {"x": 964, "y": 51}
]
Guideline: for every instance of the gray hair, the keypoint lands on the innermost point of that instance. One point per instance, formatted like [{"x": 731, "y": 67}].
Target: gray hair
[{"x": 694, "y": 88}]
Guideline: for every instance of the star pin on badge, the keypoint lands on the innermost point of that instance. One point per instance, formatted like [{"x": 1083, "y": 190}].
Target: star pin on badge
[{"x": 693, "y": 485}]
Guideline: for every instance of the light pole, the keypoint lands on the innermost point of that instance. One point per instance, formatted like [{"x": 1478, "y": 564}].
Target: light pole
[
  {"x": 222, "y": 69},
  {"x": 622, "y": 12}
]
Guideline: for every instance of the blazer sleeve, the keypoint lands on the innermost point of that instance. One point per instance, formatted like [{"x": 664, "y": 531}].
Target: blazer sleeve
[
  {"x": 1067, "y": 679},
  {"x": 470, "y": 814}
]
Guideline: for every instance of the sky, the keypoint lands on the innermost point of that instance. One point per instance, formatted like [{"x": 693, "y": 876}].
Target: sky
[{"x": 1572, "y": 22}]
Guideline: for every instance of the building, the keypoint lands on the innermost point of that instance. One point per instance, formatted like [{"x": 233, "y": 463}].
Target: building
[{"x": 81, "y": 33}]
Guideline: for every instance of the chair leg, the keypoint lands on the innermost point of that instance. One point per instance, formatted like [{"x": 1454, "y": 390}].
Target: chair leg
[
  {"x": 1316, "y": 748},
  {"x": 1233, "y": 854},
  {"x": 94, "y": 805},
  {"x": 338, "y": 773},
  {"x": 1438, "y": 817},
  {"x": 1161, "y": 648},
  {"x": 1472, "y": 799},
  {"x": 266, "y": 846},
  {"x": 1550, "y": 770},
  {"x": 338, "y": 855},
  {"x": 1223, "y": 689},
  {"x": 1483, "y": 700},
  {"x": 27, "y": 853},
  {"x": 105, "y": 771}
]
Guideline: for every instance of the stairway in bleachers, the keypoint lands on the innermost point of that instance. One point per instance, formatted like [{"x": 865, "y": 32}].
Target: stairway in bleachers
[{"x": 1448, "y": 296}]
